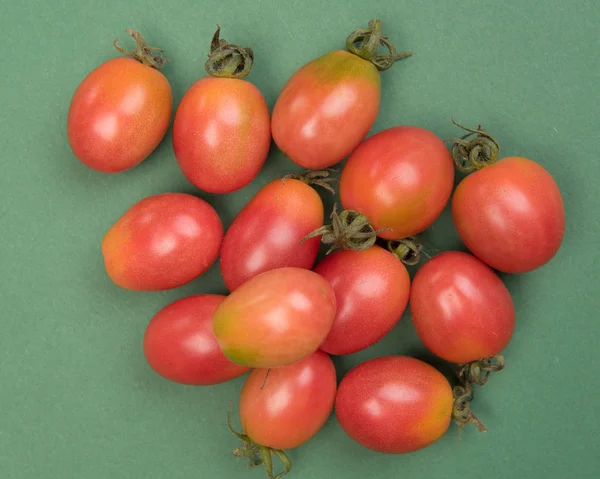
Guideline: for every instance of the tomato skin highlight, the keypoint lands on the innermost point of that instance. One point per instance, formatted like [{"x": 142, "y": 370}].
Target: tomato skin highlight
[
  {"x": 276, "y": 318},
  {"x": 460, "y": 308},
  {"x": 179, "y": 343},
  {"x": 162, "y": 242},
  {"x": 510, "y": 215},
  {"x": 291, "y": 405},
  {"x": 371, "y": 289},
  {"x": 394, "y": 404},
  {"x": 221, "y": 134},
  {"x": 266, "y": 233},
  {"x": 118, "y": 115},
  {"x": 326, "y": 109},
  {"x": 400, "y": 178}
]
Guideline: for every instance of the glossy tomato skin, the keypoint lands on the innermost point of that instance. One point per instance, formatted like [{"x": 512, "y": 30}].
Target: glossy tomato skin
[
  {"x": 400, "y": 178},
  {"x": 326, "y": 109},
  {"x": 460, "y": 308},
  {"x": 291, "y": 405},
  {"x": 179, "y": 343},
  {"x": 266, "y": 233},
  {"x": 276, "y": 318},
  {"x": 371, "y": 289},
  {"x": 510, "y": 215},
  {"x": 394, "y": 404},
  {"x": 221, "y": 134},
  {"x": 162, "y": 242},
  {"x": 118, "y": 115}
]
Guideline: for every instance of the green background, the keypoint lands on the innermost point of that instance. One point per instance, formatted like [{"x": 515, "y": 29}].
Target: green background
[{"x": 77, "y": 399}]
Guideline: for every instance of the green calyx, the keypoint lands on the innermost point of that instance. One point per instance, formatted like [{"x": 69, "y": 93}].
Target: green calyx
[
  {"x": 478, "y": 372},
  {"x": 474, "y": 150},
  {"x": 408, "y": 250},
  {"x": 461, "y": 411},
  {"x": 257, "y": 454},
  {"x": 320, "y": 178},
  {"x": 365, "y": 43},
  {"x": 143, "y": 53},
  {"x": 227, "y": 60},
  {"x": 348, "y": 230}
]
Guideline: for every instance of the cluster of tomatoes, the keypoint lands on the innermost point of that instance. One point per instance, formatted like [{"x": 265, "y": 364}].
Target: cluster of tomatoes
[{"x": 285, "y": 316}]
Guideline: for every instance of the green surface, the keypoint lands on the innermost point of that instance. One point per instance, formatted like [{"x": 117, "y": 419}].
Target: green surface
[{"x": 77, "y": 399}]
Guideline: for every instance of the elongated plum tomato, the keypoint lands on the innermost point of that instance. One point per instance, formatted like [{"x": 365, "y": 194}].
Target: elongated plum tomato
[
  {"x": 371, "y": 289},
  {"x": 460, "y": 308},
  {"x": 329, "y": 105},
  {"x": 284, "y": 407},
  {"x": 162, "y": 242},
  {"x": 266, "y": 233},
  {"x": 400, "y": 179},
  {"x": 179, "y": 343},
  {"x": 121, "y": 111},
  {"x": 394, "y": 404},
  {"x": 510, "y": 215},
  {"x": 222, "y": 128},
  {"x": 276, "y": 318}
]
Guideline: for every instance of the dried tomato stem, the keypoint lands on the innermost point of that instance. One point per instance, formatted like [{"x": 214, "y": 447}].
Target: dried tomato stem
[
  {"x": 365, "y": 43},
  {"x": 408, "y": 250},
  {"x": 320, "y": 178},
  {"x": 227, "y": 60},
  {"x": 461, "y": 412},
  {"x": 348, "y": 230},
  {"x": 478, "y": 372},
  {"x": 142, "y": 52},
  {"x": 470, "y": 154}
]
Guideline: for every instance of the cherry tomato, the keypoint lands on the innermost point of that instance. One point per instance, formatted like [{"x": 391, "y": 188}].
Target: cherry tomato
[
  {"x": 162, "y": 242},
  {"x": 329, "y": 105},
  {"x": 510, "y": 215},
  {"x": 276, "y": 318},
  {"x": 460, "y": 308},
  {"x": 284, "y": 407},
  {"x": 400, "y": 178},
  {"x": 222, "y": 128},
  {"x": 120, "y": 112},
  {"x": 266, "y": 233},
  {"x": 180, "y": 345},
  {"x": 394, "y": 404},
  {"x": 371, "y": 289}
]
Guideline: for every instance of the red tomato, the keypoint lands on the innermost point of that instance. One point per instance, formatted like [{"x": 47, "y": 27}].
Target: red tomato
[
  {"x": 276, "y": 318},
  {"x": 371, "y": 289},
  {"x": 460, "y": 308},
  {"x": 400, "y": 178},
  {"x": 266, "y": 233},
  {"x": 510, "y": 215},
  {"x": 180, "y": 345},
  {"x": 221, "y": 134},
  {"x": 120, "y": 113},
  {"x": 284, "y": 407},
  {"x": 394, "y": 404},
  {"x": 329, "y": 105},
  {"x": 162, "y": 242}
]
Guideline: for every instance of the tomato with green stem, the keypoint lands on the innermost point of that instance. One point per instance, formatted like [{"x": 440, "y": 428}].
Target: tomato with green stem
[
  {"x": 276, "y": 318},
  {"x": 509, "y": 212},
  {"x": 266, "y": 234},
  {"x": 222, "y": 127},
  {"x": 329, "y": 105},
  {"x": 180, "y": 345},
  {"x": 121, "y": 111},
  {"x": 162, "y": 242},
  {"x": 399, "y": 404},
  {"x": 283, "y": 408},
  {"x": 462, "y": 312},
  {"x": 400, "y": 179}
]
